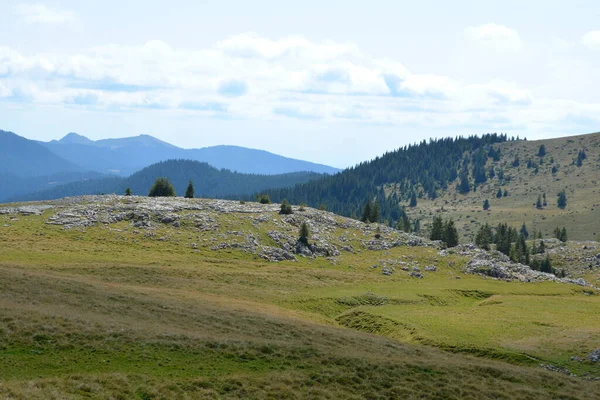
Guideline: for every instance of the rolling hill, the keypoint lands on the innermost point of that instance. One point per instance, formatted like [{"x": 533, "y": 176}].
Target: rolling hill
[
  {"x": 127, "y": 155},
  {"x": 455, "y": 176},
  {"x": 115, "y": 297},
  {"x": 208, "y": 182}
]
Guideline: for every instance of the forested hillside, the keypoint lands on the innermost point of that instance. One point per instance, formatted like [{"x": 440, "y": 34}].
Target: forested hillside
[
  {"x": 208, "y": 182},
  {"x": 424, "y": 169}
]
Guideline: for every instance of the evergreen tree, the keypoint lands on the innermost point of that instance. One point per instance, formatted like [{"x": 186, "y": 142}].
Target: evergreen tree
[
  {"x": 437, "y": 229},
  {"x": 542, "y": 151},
  {"x": 483, "y": 238},
  {"x": 128, "y": 192},
  {"x": 499, "y": 193},
  {"x": 367, "y": 211},
  {"x": 516, "y": 162},
  {"x": 563, "y": 234},
  {"x": 464, "y": 186},
  {"x": 542, "y": 248},
  {"x": 189, "y": 192},
  {"x": 544, "y": 203},
  {"x": 304, "y": 234},
  {"x": 417, "y": 226},
  {"x": 554, "y": 170},
  {"x": 162, "y": 188},
  {"x": 413, "y": 200},
  {"x": 546, "y": 265},
  {"x": 375, "y": 213},
  {"x": 524, "y": 231},
  {"x": 450, "y": 234},
  {"x": 562, "y": 200},
  {"x": 538, "y": 203},
  {"x": 486, "y": 205},
  {"x": 505, "y": 194}
]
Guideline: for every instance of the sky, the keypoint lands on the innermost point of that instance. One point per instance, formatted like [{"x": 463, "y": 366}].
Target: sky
[{"x": 334, "y": 82}]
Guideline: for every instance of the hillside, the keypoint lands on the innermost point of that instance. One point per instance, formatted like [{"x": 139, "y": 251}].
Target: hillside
[
  {"x": 132, "y": 297},
  {"x": 433, "y": 172},
  {"x": 208, "y": 182},
  {"x": 26, "y": 158},
  {"x": 124, "y": 156},
  {"x": 524, "y": 184}
]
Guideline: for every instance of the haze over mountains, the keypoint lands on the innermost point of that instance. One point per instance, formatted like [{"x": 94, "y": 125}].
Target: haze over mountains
[
  {"x": 28, "y": 166},
  {"x": 127, "y": 155}
]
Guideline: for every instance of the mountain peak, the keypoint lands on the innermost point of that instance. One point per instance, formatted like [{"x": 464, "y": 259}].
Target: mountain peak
[{"x": 75, "y": 138}]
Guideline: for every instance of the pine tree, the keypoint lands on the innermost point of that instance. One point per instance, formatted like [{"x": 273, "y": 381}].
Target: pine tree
[
  {"x": 450, "y": 234},
  {"x": 366, "y": 214},
  {"x": 505, "y": 194},
  {"x": 464, "y": 186},
  {"x": 483, "y": 239},
  {"x": 538, "y": 203},
  {"x": 542, "y": 151},
  {"x": 524, "y": 231},
  {"x": 486, "y": 205},
  {"x": 375, "y": 213},
  {"x": 413, "y": 200},
  {"x": 544, "y": 203},
  {"x": 499, "y": 193},
  {"x": 128, "y": 192},
  {"x": 562, "y": 200},
  {"x": 304, "y": 234},
  {"x": 437, "y": 229},
  {"x": 546, "y": 265},
  {"x": 189, "y": 192},
  {"x": 563, "y": 234},
  {"x": 542, "y": 248}
]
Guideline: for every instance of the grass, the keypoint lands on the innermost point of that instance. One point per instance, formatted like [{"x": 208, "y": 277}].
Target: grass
[
  {"x": 110, "y": 313},
  {"x": 580, "y": 183}
]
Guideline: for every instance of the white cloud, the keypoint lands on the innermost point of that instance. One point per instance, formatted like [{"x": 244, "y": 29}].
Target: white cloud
[
  {"x": 292, "y": 78},
  {"x": 40, "y": 14},
  {"x": 592, "y": 40},
  {"x": 497, "y": 37}
]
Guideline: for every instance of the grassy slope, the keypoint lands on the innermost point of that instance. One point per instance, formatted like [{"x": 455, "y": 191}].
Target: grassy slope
[
  {"x": 580, "y": 183},
  {"x": 109, "y": 313}
]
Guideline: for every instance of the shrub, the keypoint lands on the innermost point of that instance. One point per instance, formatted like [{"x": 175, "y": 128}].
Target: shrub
[
  {"x": 263, "y": 199},
  {"x": 286, "y": 208},
  {"x": 162, "y": 188}
]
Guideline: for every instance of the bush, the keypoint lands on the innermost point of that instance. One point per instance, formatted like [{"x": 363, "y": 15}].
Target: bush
[
  {"x": 286, "y": 208},
  {"x": 162, "y": 188},
  {"x": 263, "y": 199}
]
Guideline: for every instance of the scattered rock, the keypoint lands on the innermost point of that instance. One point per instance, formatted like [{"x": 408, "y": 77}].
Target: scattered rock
[{"x": 594, "y": 356}]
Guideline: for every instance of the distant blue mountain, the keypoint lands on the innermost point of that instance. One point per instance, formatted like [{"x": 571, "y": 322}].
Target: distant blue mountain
[
  {"x": 25, "y": 158},
  {"x": 128, "y": 155},
  {"x": 208, "y": 182}
]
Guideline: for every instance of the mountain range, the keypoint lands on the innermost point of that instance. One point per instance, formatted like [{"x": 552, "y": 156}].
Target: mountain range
[
  {"x": 28, "y": 166},
  {"x": 208, "y": 182},
  {"x": 127, "y": 155}
]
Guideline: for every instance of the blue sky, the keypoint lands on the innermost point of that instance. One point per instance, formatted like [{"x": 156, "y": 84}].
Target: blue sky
[{"x": 336, "y": 82}]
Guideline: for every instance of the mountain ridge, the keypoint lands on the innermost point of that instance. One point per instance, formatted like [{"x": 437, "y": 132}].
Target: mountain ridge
[{"x": 124, "y": 156}]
